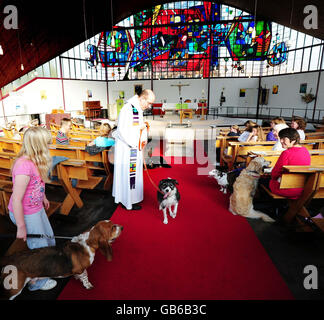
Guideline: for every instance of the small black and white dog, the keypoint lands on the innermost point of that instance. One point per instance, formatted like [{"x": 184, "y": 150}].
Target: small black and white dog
[
  {"x": 224, "y": 179},
  {"x": 168, "y": 197}
]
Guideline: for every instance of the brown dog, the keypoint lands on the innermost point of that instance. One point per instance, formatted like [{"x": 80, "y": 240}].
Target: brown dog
[
  {"x": 72, "y": 259},
  {"x": 241, "y": 200}
]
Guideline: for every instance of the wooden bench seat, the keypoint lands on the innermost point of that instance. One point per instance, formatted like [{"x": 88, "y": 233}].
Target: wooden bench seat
[
  {"x": 311, "y": 178},
  {"x": 75, "y": 169},
  {"x": 317, "y": 156},
  {"x": 272, "y": 195},
  {"x": 80, "y": 166},
  {"x": 238, "y": 151}
]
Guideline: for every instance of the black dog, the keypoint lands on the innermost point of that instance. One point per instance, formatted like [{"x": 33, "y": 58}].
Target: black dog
[{"x": 168, "y": 197}]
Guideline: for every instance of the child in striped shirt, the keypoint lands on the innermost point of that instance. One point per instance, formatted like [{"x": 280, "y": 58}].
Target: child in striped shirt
[{"x": 61, "y": 137}]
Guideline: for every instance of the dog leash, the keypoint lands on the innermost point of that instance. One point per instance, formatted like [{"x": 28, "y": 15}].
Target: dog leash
[
  {"x": 40, "y": 236},
  {"x": 141, "y": 147}
]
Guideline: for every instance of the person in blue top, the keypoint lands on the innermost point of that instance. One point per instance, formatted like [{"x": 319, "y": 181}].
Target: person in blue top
[
  {"x": 271, "y": 135},
  {"x": 103, "y": 141}
]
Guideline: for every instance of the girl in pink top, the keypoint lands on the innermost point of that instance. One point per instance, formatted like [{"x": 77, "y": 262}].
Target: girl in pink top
[
  {"x": 294, "y": 155},
  {"x": 26, "y": 206}
]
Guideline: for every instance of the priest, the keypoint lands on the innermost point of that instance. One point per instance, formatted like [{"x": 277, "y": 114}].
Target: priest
[{"x": 130, "y": 137}]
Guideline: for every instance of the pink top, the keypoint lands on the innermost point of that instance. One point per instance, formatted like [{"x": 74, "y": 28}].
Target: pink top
[
  {"x": 33, "y": 199},
  {"x": 296, "y": 156}
]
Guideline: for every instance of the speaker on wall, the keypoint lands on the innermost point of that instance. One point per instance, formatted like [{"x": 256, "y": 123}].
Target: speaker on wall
[
  {"x": 35, "y": 116},
  {"x": 104, "y": 113},
  {"x": 264, "y": 96}
]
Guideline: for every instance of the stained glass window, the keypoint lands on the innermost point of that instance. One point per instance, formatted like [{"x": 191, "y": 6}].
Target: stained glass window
[{"x": 188, "y": 39}]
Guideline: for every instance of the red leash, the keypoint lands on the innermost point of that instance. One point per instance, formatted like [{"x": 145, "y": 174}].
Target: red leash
[{"x": 141, "y": 147}]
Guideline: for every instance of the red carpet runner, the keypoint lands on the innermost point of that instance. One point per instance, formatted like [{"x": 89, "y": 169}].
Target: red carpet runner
[{"x": 206, "y": 253}]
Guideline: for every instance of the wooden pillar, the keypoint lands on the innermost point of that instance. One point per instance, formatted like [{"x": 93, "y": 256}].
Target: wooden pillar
[
  {"x": 318, "y": 83},
  {"x": 3, "y": 110},
  {"x": 61, "y": 71},
  {"x": 106, "y": 71},
  {"x": 258, "y": 102}
]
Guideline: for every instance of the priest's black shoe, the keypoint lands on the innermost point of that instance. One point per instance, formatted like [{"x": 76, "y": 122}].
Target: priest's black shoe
[{"x": 135, "y": 206}]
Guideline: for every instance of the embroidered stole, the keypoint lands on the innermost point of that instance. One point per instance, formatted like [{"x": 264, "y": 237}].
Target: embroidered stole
[{"x": 133, "y": 153}]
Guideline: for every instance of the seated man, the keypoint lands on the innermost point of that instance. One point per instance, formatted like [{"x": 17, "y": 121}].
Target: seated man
[{"x": 61, "y": 137}]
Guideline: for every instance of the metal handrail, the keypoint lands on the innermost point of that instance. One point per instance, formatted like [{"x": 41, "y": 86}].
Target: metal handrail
[{"x": 243, "y": 112}]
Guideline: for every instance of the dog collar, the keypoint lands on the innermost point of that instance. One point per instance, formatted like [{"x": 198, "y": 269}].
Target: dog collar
[{"x": 255, "y": 175}]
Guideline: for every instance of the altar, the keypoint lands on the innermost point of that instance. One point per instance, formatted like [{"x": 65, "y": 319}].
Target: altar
[{"x": 179, "y": 106}]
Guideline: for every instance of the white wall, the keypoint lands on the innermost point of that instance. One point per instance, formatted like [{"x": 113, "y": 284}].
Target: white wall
[
  {"x": 30, "y": 101},
  {"x": 288, "y": 96},
  {"x": 75, "y": 91},
  {"x": 127, "y": 86},
  {"x": 164, "y": 90},
  {"x": 231, "y": 91}
]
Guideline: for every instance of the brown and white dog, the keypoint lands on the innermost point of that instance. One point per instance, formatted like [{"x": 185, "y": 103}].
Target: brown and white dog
[
  {"x": 241, "y": 200},
  {"x": 59, "y": 262}
]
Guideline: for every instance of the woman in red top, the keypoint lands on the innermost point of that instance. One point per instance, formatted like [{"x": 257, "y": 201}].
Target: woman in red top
[{"x": 294, "y": 155}]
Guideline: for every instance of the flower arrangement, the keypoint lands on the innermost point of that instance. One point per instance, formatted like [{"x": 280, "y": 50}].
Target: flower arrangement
[{"x": 308, "y": 97}]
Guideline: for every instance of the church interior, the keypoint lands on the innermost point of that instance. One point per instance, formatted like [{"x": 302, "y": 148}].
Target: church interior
[{"x": 213, "y": 66}]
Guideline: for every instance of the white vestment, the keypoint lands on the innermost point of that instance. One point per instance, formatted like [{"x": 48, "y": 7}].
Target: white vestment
[{"x": 127, "y": 138}]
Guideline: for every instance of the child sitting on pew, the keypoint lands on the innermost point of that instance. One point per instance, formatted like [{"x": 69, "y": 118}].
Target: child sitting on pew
[
  {"x": 234, "y": 131},
  {"x": 62, "y": 134},
  {"x": 299, "y": 124},
  {"x": 276, "y": 129},
  {"x": 271, "y": 135},
  {"x": 103, "y": 141},
  {"x": 252, "y": 133}
]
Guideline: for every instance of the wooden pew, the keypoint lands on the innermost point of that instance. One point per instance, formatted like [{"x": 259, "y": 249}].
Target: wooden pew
[
  {"x": 317, "y": 156},
  {"x": 79, "y": 166},
  {"x": 75, "y": 169},
  {"x": 6, "y": 162},
  {"x": 238, "y": 151},
  {"x": 83, "y": 135},
  {"x": 77, "y": 126},
  {"x": 69, "y": 169},
  {"x": 311, "y": 178},
  {"x": 79, "y": 153},
  {"x": 225, "y": 131},
  {"x": 10, "y": 145},
  {"x": 222, "y": 143},
  {"x": 314, "y": 135},
  {"x": 319, "y": 127}
]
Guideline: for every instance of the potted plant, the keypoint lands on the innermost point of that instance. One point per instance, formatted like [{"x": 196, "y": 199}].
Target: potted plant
[{"x": 308, "y": 98}]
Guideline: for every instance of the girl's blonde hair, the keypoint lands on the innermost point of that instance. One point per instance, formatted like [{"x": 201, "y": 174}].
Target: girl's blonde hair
[
  {"x": 236, "y": 127},
  {"x": 35, "y": 148},
  {"x": 278, "y": 120},
  {"x": 261, "y": 135},
  {"x": 248, "y": 124},
  {"x": 104, "y": 130}
]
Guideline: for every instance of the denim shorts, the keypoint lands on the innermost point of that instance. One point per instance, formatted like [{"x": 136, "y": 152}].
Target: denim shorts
[{"x": 37, "y": 223}]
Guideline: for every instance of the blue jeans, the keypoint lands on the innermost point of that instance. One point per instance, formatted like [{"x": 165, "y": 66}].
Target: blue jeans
[{"x": 37, "y": 223}]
